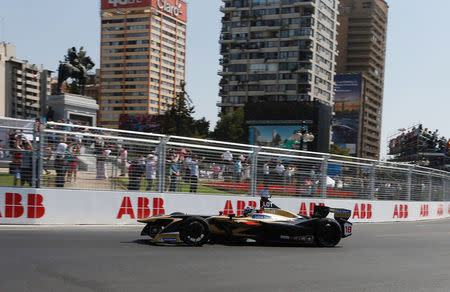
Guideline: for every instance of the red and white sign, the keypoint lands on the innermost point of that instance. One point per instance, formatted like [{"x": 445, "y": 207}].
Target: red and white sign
[
  {"x": 175, "y": 8},
  {"x": 110, "y": 4},
  {"x": 53, "y": 206}
]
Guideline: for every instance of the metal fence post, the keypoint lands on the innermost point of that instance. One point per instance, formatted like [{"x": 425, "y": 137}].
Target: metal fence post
[
  {"x": 323, "y": 180},
  {"x": 408, "y": 184},
  {"x": 372, "y": 180},
  {"x": 254, "y": 172},
  {"x": 36, "y": 164},
  {"x": 430, "y": 185},
  {"x": 162, "y": 153}
]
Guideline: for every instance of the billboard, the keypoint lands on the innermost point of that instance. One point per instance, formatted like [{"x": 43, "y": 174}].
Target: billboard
[
  {"x": 347, "y": 103},
  {"x": 140, "y": 123},
  {"x": 111, "y": 4},
  {"x": 175, "y": 8}
]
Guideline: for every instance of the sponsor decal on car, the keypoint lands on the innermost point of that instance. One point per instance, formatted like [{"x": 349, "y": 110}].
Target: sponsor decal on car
[
  {"x": 261, "y": 216},
  {"x": 305, "y": 238}
]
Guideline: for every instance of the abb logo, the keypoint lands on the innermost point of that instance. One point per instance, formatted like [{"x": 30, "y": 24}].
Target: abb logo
[
  {"x": 240, "y": 206},
  {"x": 400, "y": 211},
  {"x": 14, "y": 206},
  {"x": 143, "y": 209},
  {"x": 440, "y": 210},
  {"x": 424, "y": 210},
  {"x": 362, "y": 211},
  {"x": 304, "y": 211}
]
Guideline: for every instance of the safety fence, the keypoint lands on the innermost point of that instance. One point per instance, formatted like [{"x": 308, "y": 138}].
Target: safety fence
[{"x": 65, "y": 155}]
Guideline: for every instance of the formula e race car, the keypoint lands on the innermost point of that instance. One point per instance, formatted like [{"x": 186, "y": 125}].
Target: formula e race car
[{"x": 268, "y": 225}]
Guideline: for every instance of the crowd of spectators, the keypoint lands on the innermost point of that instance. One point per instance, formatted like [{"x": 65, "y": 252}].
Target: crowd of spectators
[{"x": 419, "y": 139}]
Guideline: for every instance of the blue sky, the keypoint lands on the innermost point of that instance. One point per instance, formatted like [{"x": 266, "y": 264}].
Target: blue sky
[{"x": 417, "y": 85}]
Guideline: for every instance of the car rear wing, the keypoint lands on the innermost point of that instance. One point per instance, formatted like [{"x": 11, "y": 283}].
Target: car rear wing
[{"x": 323, "y": 211}]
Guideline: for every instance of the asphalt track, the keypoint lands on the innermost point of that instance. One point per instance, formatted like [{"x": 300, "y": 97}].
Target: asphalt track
[{"x": 378, "y": 257}]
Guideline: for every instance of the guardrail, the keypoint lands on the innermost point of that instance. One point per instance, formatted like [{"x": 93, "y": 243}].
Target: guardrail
[{"x": 61, "y": 155}]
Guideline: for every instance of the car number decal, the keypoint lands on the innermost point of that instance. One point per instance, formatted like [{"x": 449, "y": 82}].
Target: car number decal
[{"x": 347, "y": 229}]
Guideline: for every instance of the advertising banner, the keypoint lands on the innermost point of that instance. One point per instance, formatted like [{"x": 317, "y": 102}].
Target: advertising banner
[
  {"x": 347, "y": 102},
  {"x": 53, "y": 206},
  {"x": 175, "y": 8},
  {"x": 140, "y": 123},
  {"x": 110, "y": 4}
]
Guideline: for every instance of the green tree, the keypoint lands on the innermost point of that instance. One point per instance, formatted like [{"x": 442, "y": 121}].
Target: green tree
[
  {"x": 339, "y": 150},
  {"x": 179, "y": 121},
  {"x": 231, "y": 128}
]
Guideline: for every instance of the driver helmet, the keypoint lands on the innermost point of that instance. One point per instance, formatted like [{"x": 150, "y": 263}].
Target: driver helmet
[{"x": 248, "y": 211}]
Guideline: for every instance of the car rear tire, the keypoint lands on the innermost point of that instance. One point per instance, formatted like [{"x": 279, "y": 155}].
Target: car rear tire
[
  {"x": 195, "y": 231},
  {"x": 329, "y": 233}
]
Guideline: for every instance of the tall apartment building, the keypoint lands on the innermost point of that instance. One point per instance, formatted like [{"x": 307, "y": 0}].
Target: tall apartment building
[
  {"x": 23, "y": 86},
  {"x": 143, "y": 45},
  {"x": 362, "y": 50},
  {"x": 280, "y": 51},
  {"x": 277, "y": 50}
]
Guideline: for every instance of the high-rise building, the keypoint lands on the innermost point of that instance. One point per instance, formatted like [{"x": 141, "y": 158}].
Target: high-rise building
[
  {"x": 24, "y": 87},
  {"x": 143, "y": 45},
  {"x": 362, "y": 50},
  {"x": 277, "y": 51}
]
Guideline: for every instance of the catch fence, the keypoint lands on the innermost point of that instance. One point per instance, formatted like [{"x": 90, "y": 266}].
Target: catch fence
[{"x": 60, "y": 155}]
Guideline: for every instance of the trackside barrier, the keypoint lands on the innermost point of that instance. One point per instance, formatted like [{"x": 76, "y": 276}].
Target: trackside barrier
[
  {"x": 72, "y": 156},
  {"x": 55, "y": 206}
]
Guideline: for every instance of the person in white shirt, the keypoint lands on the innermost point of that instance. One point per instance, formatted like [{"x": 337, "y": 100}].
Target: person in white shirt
[
  {"x": 150, "y": 171},
  {"x": 123, "y": 161},
  {"x": 279, "y": 170}
]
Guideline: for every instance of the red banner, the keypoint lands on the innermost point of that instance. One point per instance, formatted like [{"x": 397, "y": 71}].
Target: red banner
[
  {"x": 175, "y": 8},
  {"x": 110, "y": 4}
]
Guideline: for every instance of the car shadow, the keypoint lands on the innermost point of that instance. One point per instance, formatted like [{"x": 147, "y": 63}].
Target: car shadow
[{"x": 149, "y": 242}]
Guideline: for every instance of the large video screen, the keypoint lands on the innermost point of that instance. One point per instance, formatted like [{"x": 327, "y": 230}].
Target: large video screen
[
  {"x": 276, "y": 135},
  {"x": 347, "y": 102}
]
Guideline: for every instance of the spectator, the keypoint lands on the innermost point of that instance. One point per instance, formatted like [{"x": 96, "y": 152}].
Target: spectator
[
  {"x": 266, "y": 173},
  {"x": 194, "y": 173},
  {"x": 123, "y": 160},
  {"x": 173, "y": 172},
  {"x": 150, "y": 171},
  {"x": 48, "y": 153},
  {"x": 60, "y": 164},
  {"x": 136, "y": 172},
  {"x": 72, "y": 161},
  {"x": 216, "y": 171},
  {"x": 279, "y": 171},
  {"x": 101, "y": 163},
  {"x": 227, "y": 159},
  {"x": 237, "y": 170},
  {"x": 27, "y": 165}
]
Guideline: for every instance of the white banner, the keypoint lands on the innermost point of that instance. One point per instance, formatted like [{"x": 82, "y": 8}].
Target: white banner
[{"x": 60, "y": 206}]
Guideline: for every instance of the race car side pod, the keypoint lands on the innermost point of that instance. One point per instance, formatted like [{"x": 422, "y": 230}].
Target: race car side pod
[{"x": 323, "y": 211}]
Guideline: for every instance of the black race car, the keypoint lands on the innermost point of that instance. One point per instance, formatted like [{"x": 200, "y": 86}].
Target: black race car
[{"x": 269, "y": 225}]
